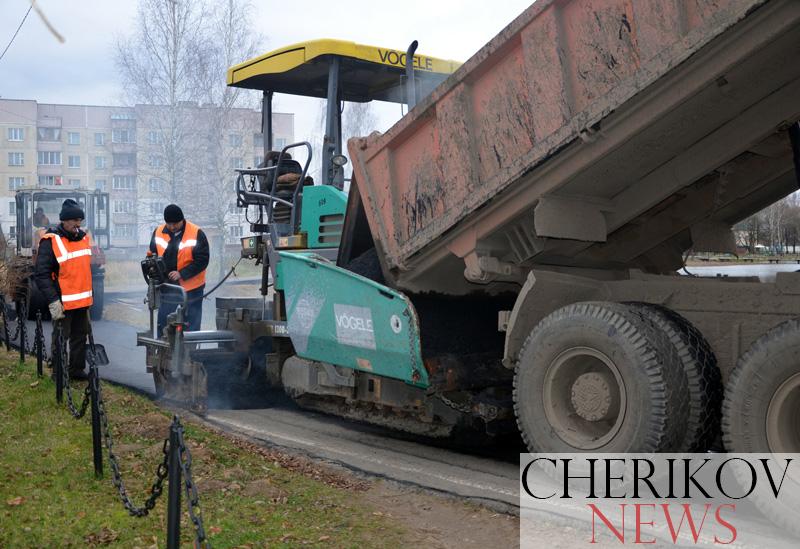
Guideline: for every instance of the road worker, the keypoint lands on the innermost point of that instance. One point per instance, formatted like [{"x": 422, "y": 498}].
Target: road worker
[
  {"x": 184, "y": 249},
  {"x": 63, "y": 274}
]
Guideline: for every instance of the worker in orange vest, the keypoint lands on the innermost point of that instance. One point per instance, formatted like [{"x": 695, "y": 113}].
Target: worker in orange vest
[
  {"x": 63, "y": 274},
  {"x": 184, "y": 249}
]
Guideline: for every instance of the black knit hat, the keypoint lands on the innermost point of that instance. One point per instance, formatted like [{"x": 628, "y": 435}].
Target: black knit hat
[
  {"x": 173, "y": 214},
  {"x": 71, "y": 210}
]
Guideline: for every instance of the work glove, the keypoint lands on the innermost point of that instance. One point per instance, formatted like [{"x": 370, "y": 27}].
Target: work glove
[{"x": 56, "y": 310}]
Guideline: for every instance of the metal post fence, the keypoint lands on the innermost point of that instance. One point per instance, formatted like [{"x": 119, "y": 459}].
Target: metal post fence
[
  {"x": 5, "y": 325},
  {"x": 39, "y": 342},
  {"x": 57, "y": 365},
  {"x": 175, "y": 485},
  {"x": 97, "y": 444},
  {"x": 22, "y": 316}
]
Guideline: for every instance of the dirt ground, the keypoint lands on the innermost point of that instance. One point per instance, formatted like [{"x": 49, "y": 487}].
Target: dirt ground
[{"x": 438, "y": 522}]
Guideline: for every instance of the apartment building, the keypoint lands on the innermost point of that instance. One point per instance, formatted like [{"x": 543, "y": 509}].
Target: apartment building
[{"x": 144, "y": 156}]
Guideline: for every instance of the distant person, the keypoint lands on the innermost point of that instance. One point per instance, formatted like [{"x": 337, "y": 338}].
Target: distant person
[
  {"x": 39, "y": 218},
  {"x": 63, "y": 274},
  {"x": 184, "y": 249}
]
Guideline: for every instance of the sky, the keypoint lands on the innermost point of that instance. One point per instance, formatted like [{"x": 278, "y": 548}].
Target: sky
[{"x": 82, "y": 71}]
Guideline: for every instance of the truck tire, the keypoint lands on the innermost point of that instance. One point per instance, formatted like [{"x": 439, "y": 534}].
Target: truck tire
[
  {"x": 761, "y": 410},
  {"x": 760, "y": 413},
  {"x": 599, "y": 377},
  {"x": 98, "y": 294},
  {"x": 702, "y": 375}
]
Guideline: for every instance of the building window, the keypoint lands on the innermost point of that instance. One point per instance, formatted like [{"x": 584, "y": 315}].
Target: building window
[
  {"x": 12, "y": 208},
  {"x": 48, "y": 134},
  {"x": 122, "y": 136},
  {"x": 235, "y": 139},
  {"x": 155, "y": 138},
  {"x": 100, "y": 184},
  {"x": 15, "y": 183},
  {"x": 257, "y": 161},
  {"x": 123, "y": 206},
  {"x": 124, "y": 230},
  {"x": 237, "y": 163},
  {"x": 12, "y": 231},
  {"x": 155, "y": 185},
  {"x": 99, "y": 139},
  {"x": 235, "y": 230},
  {"x": 16, "y": 134},
  {"x": 73, "y": 138},
  {"x": 100, "y": 162},
  {"x": 74, "y": 161},
  {"x": 280, "y": 143},
  {"x": 49, "y": 180},
  {"x": 157, "y": 208},
  {"x": 74, "y": 182},
  {"x": 156, "y": 160},
  {"x": 49, "y": 158},
  {"x": 123, "y": 182},
  {"x": 124, "y": 160},
  {"x": 258, "y": 140},
  {"x": 16, "y": 159}
]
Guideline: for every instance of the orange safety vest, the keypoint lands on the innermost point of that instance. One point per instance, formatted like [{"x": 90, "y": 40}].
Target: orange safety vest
[
  {"x": 74, "y": 270},
  {"x": 185, "y": 254}
]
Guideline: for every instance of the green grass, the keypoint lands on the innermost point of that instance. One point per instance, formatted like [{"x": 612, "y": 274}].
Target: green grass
[{"x": 49, "y": 496}]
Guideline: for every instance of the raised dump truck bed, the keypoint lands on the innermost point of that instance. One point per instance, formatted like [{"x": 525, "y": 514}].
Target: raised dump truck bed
[{"x": 590, "y": 133}]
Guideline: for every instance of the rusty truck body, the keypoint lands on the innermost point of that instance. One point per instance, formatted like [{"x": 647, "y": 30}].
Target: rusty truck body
[{"x": 565, "y": 171}]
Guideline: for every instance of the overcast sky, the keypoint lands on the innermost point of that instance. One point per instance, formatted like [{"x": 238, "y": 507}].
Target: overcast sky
[{"x": 81, "y": 71}]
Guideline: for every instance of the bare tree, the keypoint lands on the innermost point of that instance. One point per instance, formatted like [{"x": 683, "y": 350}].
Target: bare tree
[
  {"x": 173, "y": 68},
  {"x": 228, "y": 130},
  {"x": 358, "y": 119},
  {"x": 157, "y": 64}
]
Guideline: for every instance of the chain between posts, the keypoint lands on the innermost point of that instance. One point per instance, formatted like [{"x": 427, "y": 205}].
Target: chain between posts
[
  {"x": 60, "y": 347},
  {"x": 161, "y": 472},
  {"x": 192, "y": 499}
]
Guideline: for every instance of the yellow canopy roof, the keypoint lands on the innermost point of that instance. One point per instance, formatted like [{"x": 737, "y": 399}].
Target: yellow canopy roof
[{"x": 366, "y": 72}]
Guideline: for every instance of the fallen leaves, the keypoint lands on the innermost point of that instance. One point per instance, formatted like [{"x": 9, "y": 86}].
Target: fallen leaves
[
  {"x": 19, "y": 500},
  {"x": 103, "y": 537}
]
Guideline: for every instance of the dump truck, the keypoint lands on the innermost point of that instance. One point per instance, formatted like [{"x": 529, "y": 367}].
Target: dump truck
[
  {"x": 508, "y": 254},
  {"x": 36, "y": 209}
]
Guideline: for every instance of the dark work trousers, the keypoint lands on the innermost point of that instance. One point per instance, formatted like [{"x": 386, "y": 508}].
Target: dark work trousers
[
  {"x": 170, "y": 299},
  {"x": 76, "y": 329}
]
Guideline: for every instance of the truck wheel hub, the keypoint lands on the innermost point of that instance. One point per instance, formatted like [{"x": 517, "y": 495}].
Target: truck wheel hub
[
  {"x": 591, "y": 396},
  {"x": 584, "y": 398}
]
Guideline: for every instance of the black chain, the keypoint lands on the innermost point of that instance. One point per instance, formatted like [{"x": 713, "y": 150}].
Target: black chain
[
  {"x": 21, "y": 318},
  {"x": 38, "y": 338},
  {"x": 161, "y": 472},
  {"x": 15, "y": 335},
  {"x": 6, "y": 336},
  {"x": 60, "y": 345},
  {"x": 192, "y": 499}
]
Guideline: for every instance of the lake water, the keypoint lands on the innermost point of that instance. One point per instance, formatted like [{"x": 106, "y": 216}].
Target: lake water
[{"x": 766, "y": 273}]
